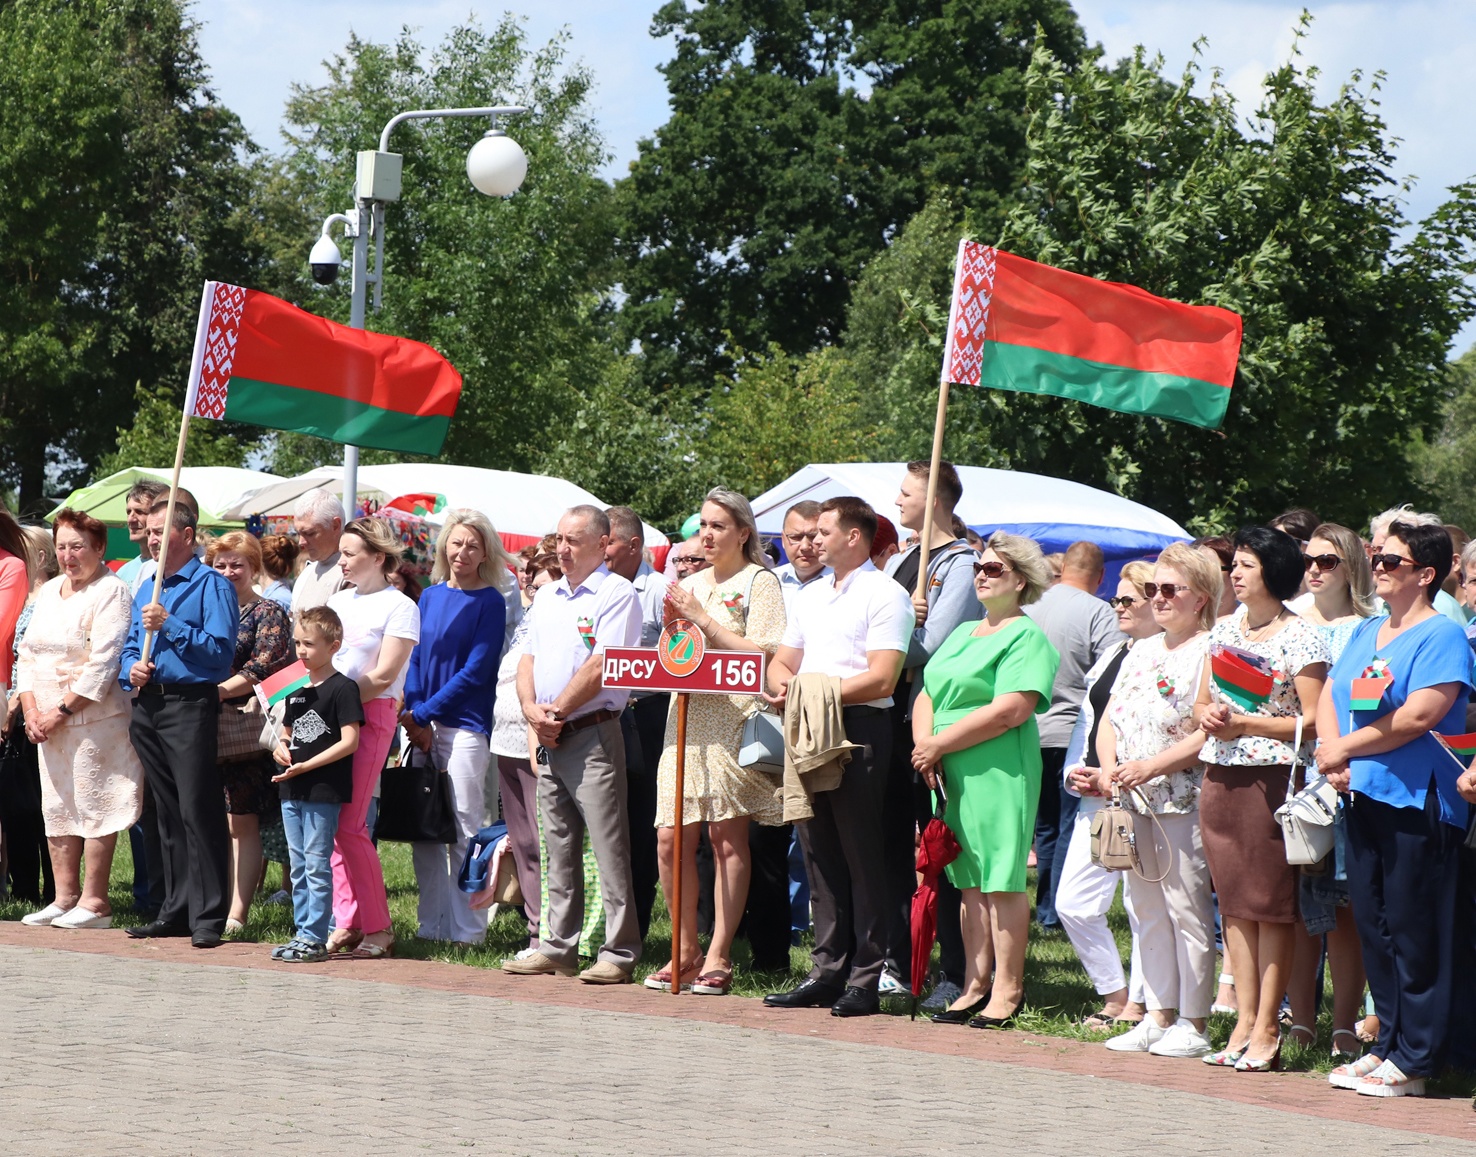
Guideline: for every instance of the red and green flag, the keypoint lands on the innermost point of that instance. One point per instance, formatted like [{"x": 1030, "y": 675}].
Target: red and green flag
[
  {"x": 1462, "y": 745},
  {"x": 1019, "y": 325},
  {"x": 262, "y": 360},
  {"x": 1244, "y": 685},
  {"x": 275, "y": 688}
]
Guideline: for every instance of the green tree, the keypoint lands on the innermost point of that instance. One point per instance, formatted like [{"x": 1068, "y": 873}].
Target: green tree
[
  {"x": 122, "y": 188},
  {"x": 153, "y": 437},
  {"x": 748, "y": 216},
  {"x": 508, "y": 289},
  {"x": 1136, "y": 179},
  {"x": 1445, "y": 465}
]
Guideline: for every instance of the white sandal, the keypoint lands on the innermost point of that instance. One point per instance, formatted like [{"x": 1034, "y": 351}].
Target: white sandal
[
  {"x": 1350, "y": 1076},
  {"x": 1388, "y": 1081}
]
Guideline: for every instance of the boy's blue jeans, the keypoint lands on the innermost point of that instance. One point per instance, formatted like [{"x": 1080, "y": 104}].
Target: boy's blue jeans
[{"x": 310, "y": 828}]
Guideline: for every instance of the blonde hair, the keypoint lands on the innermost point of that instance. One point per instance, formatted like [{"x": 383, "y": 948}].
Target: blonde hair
[
  {"x": 40, "y": 556},
  {"x": 1023, "y": 556},
  {"x": 380, "y": 537},
  {"x": 494, "y": 569},
  {"x": 1360, "y": 575},
  {"x": 236, "y": 542},
  {"x": 1138, "y": 572},
  {"x": 1203, "y": 575},
  {"x": 742, "y": 514}
]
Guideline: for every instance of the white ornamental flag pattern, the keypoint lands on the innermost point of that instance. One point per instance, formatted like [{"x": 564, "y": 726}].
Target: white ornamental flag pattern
[
  {"x": 973, "y": 291},
  {"x": 227, "y": 305},
  {"x": 308, "y": 728}
]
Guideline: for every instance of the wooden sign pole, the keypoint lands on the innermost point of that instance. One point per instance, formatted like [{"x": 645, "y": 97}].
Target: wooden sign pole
[{"x": 677, "y": 867}]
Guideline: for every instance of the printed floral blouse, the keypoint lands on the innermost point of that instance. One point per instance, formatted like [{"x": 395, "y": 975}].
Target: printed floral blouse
[
  {"x": 1152, "y": 708},
  {"x": 1290, "y": 651}
]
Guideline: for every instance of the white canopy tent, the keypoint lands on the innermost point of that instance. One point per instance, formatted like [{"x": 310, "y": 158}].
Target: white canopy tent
[
  {"x": 1052, "y": 511},
  {"x": 522, "y": 507}
]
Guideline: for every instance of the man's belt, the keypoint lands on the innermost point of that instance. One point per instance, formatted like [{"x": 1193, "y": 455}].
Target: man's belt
[
  {"x": 604, "y": 715},
  {"x": 187, "y": 690}
]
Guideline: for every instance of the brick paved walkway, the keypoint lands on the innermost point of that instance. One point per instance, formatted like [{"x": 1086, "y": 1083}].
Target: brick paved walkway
[{"x": 109, "y": 1046}]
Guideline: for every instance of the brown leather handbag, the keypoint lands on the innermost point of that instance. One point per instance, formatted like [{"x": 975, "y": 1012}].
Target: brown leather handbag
[{"x": 1122, "y": 841}]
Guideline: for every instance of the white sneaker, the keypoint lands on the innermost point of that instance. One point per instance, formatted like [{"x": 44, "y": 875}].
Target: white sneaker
[
  {"x": 1140, "y": 1039},
  {"x": 44, "y": 917},
  {"x": 891, "y": 985},
  {"x": 80, "y": 917},
  {"x": 1182, "y": 1040}
]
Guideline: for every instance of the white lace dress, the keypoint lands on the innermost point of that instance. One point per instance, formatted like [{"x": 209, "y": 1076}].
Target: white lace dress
[{"x": 91, "y": 782}]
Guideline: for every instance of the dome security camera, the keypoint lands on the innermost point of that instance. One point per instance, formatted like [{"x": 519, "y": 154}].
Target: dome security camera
[{"x": 325, "y": 260}]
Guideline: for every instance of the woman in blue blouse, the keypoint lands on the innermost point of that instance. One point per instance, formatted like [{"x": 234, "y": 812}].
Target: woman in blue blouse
[
  {"x": 1405, "y": 818},
  {"x": 450, "y": 686}
]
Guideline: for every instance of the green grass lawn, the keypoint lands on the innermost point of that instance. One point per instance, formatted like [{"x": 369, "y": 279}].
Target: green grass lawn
[{"x": 1057, "y": 993}]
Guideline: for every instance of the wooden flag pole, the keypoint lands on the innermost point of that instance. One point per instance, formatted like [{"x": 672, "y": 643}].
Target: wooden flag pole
[
  {"x": 192, "y": 391},
  {"x": 682, "y": 700},
  {"x": 925, "y": 547}
]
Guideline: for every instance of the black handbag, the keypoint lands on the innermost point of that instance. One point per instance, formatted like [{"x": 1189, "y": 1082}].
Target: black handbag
[{"x": 416, "y": 805}]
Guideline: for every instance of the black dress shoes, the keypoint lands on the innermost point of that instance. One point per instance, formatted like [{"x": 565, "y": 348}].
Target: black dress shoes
[
  {"x": 982, "y": 1021},
  {"x": 960, "y": 1015},
  {"x": 857, "y": 1002},
  {"x": 204, "y": 938},
  {"x": 809, "y": 994},
  {"x": 157, "y": 929}
]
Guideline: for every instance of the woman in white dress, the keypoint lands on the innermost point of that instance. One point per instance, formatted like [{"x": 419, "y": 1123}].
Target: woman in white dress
[{"x": 77, "y": 713}]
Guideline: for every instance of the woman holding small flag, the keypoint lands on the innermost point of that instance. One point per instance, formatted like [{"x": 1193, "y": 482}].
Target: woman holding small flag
[
  {"x": 1257, "y": 701},
  {"x": 380, "y": 628},
  {"x": 263, "y": 647},
  {"x": 1402, "y": 676}
]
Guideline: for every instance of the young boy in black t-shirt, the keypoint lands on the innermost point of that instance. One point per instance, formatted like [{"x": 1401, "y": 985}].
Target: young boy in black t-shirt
[{"x": 320, "y": 733}]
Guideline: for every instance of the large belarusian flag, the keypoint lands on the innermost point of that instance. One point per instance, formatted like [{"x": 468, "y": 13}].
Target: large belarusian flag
[
  {"x": 264, "y": 361},
  {"x": 1019, "y": 325}
]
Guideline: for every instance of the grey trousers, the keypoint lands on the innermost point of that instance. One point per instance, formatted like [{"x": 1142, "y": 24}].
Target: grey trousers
[{"x": 582, "y": 787}]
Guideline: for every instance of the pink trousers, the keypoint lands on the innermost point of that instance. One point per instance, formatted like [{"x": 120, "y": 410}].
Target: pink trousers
[{"x": 359, "y": 899}]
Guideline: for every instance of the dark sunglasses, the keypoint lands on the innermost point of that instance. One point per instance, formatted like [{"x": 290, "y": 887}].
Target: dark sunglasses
[
  {"x": 1390, "y": 561},
  {"x": 1122, "y": 602},
  {"x": 1323, "y": 562},
  {"x": 1168, "y": 590},
  {"x": 990, "y": 569}
]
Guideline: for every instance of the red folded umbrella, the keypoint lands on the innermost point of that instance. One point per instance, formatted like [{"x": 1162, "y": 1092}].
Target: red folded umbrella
[{"x": 938, "y": 849}]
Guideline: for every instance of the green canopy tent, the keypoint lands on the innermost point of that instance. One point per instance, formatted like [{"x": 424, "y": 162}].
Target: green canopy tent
[{"x": 214, "y": 487}]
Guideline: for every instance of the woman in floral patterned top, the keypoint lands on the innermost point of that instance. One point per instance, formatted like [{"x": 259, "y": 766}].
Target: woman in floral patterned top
[
  {"x": 738, "y": 605},
  {"x": 1152, "y": 748},
  {"x": 1249, "y": 756},
  {"x": 263, "y": 647}
]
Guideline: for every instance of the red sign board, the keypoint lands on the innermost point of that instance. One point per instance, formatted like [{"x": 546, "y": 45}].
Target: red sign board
[{"x": 718, "y": 672}]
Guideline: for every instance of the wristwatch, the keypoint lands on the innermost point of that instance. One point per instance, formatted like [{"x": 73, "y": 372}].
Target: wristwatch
[{"x": 64, "y": 709}]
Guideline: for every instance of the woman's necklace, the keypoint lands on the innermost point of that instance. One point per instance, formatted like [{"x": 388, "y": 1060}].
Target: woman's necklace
[{"x": 1257, "y": 634}]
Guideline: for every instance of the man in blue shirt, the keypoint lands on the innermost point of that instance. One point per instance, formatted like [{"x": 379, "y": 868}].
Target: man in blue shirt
[{"x": 174, "y": 728}]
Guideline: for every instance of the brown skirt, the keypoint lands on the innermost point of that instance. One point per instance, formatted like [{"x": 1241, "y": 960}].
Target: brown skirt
[{"x": 1243, "y": 844}]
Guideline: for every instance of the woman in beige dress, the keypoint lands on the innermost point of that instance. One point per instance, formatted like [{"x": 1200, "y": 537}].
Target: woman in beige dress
[
  {"x": 738, "y": 605},
  {"x": 76, "y": 712}
]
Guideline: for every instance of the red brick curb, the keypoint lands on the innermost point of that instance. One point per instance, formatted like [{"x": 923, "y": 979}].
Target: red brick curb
[{"x": 1288, "y": 1092}]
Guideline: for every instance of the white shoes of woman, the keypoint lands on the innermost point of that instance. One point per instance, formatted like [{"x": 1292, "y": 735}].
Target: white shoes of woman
[
  {"x": 80, "y": 917},
  {"x": 46, "y": 916}
]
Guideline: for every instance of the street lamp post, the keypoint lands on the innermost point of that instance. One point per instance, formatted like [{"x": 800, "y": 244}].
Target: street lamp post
[{"x": 496, "y": 166}]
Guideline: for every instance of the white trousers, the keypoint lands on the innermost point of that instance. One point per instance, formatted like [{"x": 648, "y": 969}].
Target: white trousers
[
  {"x": 1083, "y": 899},
  {"x": 1176, "y": 919},
  {"x": 445, "y": 911}
]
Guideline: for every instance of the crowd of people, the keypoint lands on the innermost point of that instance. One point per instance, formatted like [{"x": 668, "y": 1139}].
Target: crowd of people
[{"x": 977, "y": 679}]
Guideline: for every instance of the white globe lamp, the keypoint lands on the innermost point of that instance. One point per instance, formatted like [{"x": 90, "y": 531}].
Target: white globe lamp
[{"x": 496, "y": 165}]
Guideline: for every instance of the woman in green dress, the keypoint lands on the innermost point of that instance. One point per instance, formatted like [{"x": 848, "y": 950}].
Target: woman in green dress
[{"x": 975, "y": 723}]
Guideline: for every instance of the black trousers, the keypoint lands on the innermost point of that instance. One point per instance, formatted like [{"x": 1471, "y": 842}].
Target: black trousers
[
  {"x": 644, "y": 727},
  {"x": 842, "y": 847},
  {"x": 1403, "y": 876},
  {"x": 899, "y": 843},
  {"x": 766, "y": 916},
  {"x": 174, "y": 733},
  {"x": 28, "y": 860}
]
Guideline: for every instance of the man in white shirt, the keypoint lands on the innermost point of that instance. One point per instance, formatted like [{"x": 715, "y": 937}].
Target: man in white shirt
[
  {"x": 576, "y": 721},
  {"x": 137, "y": 503},
  {"x": 856, "y": 625},
  {"x": 804, "y": 565},
  {"x": 319, "y": 520},
  {"x": 644, "y": 721}
]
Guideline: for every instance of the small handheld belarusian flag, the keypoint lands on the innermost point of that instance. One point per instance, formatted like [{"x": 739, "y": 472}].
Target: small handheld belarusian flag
[
  {"x": 263, "y": 361},
  {"x": 1462, "y": 745},
  {"x": 275, "y": 688},
  {"x": 1367, "y": 693},
  {"x": 1242, "y": 684},
  {"x": 1019, "y": 325}
]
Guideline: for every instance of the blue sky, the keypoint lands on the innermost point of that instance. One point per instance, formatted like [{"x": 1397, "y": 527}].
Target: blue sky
[{"x": 257, "y": 48}]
